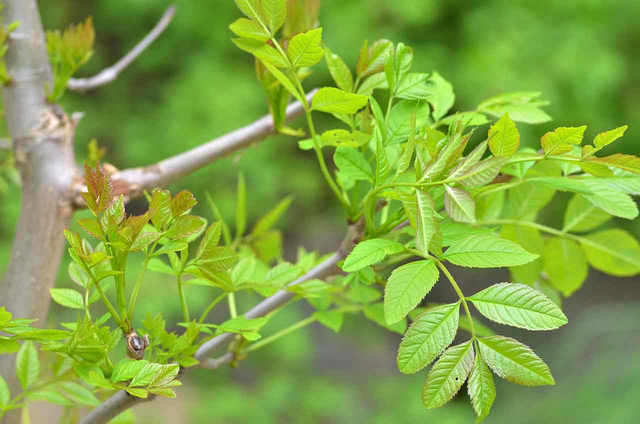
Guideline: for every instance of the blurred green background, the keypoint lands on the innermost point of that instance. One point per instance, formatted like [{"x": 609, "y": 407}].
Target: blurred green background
[{"x": 193, "y": 85}]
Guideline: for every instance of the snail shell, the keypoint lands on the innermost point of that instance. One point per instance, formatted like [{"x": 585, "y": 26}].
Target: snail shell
[{"x": 136, "y": 345}]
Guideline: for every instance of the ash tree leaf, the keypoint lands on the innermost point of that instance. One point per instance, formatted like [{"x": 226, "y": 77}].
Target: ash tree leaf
[
  {"x": 375, "y": 312},
  {"x": 353, "y": 163},
  {"x": 371, "y": 59},
  {"x": 267, "y": 222},
  {"x": 563, "y": 184},
  {"x": 27, "y": 365},
  {"x": 469, "y": 161},
  {"x": 485, "y": 251},
  {"x": 514, "y": 361},
  {"x": 305, "y": 49},
  {"x": 79, "y": 394},
  {"x": 185, "y": 226},
  {"x": 562, "y": 139},
  {"x": 339, "y": 71},
  {"x": 481, "y": 388},
  {"x": 246, "y": 28},
  {"x": 459, "y": 204},
  {"x": 251, "y": 8},
  {"x": 382, "y": 163},
  {"x": 483, "y": 172},
  {"x": 370, "y": 252},
  {"x": 530, "y": 239},
  {"x": 415, "y": 86},
  {"x": 582, "y": 215},
  {"x": 425, "y": 227},
  {"x": 621, "y": 161},
  {"x": 429, "y": 335},
  {"x": 68, "y": 298},
  {"x": 443, "y": 97},
  {"x": 210, "y": 240},
  {"x": 283, "y": 80},
  {"x": 331, "y": 319},
  {"x": 8, "y": 345},
  {"x": 262, "y": 51},
  {"x": 602, "y": 140},
  {"x": 334, "y": 100},
  {"x": 5, "y": 394},
  {"x": 275, "y": 14},
  {"x": 518, "y": 305},
  {"x": 504, "y": 137},
  {"x": 612, "y": 201},
  {"x": 565, "y": 264},
  {"x": 448, "y": 375},
  {"x": 406, "y": 287},
  {"x": 614, "y": 252},
  {"x": 374, "y": 82},
  {"x": 400, "y": 120}
]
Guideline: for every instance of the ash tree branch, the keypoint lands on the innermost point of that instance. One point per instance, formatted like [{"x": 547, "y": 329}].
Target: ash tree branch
[
  {"x": 133, "y": 181},
  {"x": 122, "y": 401},
  {"x": 109, "y": 74}
]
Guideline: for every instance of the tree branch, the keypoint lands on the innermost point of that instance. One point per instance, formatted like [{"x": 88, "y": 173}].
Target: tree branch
[
  {"x": 133, "y": 181},
  {"x": 109, "y": 74},
  {"x": 122, "y": 400}
]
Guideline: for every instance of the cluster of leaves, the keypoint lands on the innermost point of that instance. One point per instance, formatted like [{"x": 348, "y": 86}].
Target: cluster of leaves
[
  {"x": 4, "y": 34},
  {"x": 68, "y": 51},
  {"x": 477, "y": 210}
]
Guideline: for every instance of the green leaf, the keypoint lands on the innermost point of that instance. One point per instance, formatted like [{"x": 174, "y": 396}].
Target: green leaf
[
  {"x": 184, "y": 226},
  {"x": 562, "y": 140},
  {"x": 427, "y": 337},
  {"x": 514, "y": 361},
  {"x": 371, "y": 59},
  {"x": 459, "y": 205},
  {"x": 374, "y": 82},
  {"x": 221, "y": 259},
  {"x": 406, "y": 287},
  {"x": 612, "y": 201},
  {"x": 504, "y": 137},
  {"x": 563, "y": 184},
  {"x": 613, "y": 251},
  {"x": 425, "y": 228},
  {"x": 267, "y": 222},
  {"x": 621, "y": 161},
  {"x": 242, "y": 271},
  {"x": 483, "y": 172},
  {"x": 305, "y": 49},
  {"x": 160, "y": 208},
  {"x": 484, "y": 251},
  {"x": 79, "y": 394},
  {"x": 481, "y": 388},
  {"x": 448, "y": 375},
  {"x": 262, "y": 51},
  {"x": 442, "y": 98},
  {"x": 530, "y": 239},
  {"x": 521, "y": 106},
  {"x": 518, "y": 305},
  {"x": 400, "y": 118},
  {"x": 469, "y": 161},
  {"x": 565, "y": 265},
  {"x": 5, "y": 394},
  {"x": 415, "y": 86},
  {"x": 581, "y": 215},
  {"x": 275, "y": 14},
  {"x": 247, "y": 28},
  {"x": 5, "y": 316},
  {"x": 334, "y": 100},
  {"x": 339, "y": 71},
  {"x": 382, "y": 163},
  {"x": 375, "y": 313},
  {"x": 8, "y": 346},
  {"x": 331, "y": 319},
  {"x": 68, "y": 298},
  {"x": 27, "y": 365},
  {"x": 352, "y": 163},
  {"x": 602, "y": 140},
  {"x": 284, "y": 80},
  {"x": 370, "y": 252},
  {"x": 251, "y": 8}
]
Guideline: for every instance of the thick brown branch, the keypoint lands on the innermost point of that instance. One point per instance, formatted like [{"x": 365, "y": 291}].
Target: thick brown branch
[
  {"x": 122, "y": 400},
  {"x": 132, "y": 182},
  {"x": 109, "y": 74}
]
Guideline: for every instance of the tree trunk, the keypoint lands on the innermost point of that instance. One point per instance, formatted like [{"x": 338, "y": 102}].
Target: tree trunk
[{"x": 43, "y": 147}]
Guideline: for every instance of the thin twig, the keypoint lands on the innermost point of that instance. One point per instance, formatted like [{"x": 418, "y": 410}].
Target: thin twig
[
  {"x": 133, "y": 181},
  {"x": 122, "y": 400},
  {"x": 109, "y": 74}
]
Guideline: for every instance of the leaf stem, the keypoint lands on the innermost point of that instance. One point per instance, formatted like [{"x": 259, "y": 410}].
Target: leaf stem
[
  {"x": 460, "y": 295},
  {"x": 233, "y": 312},
  {"x": 211, "y": 306},
  {"x": 183, "y": 300},
  {"x": 136, "y": 288},
  {"x": 105, "y": 300},
  {"x": 280, "y": 334}
]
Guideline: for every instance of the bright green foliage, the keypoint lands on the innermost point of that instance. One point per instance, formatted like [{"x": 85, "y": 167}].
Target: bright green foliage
[
  {"x": 370, "y": 252},
  {"x": 513, "y": 361},
  {"x": 481, "y": 388},
  {"x": 613, "y": 251},
  {"x": 27, "y": 364},
  {"x": 427, "y": 337},
  {"x": 304, "y": 49},
  {"x": 518, "y": 305},
  {"x": 333, "y": 100},
  {"x": 504, "y": 137},
  {"x": 448, "y": 375},
  {"x": 561, "y": 140},
  {"x": 565, "y": 264},
  {"x": 479, "y": 251},
  {"x": 406, "y": 288},
  {"x": 68, "y": 51}
]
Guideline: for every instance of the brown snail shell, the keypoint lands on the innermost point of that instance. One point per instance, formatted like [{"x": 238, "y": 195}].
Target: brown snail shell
[{"x": 136, "y": 345}]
